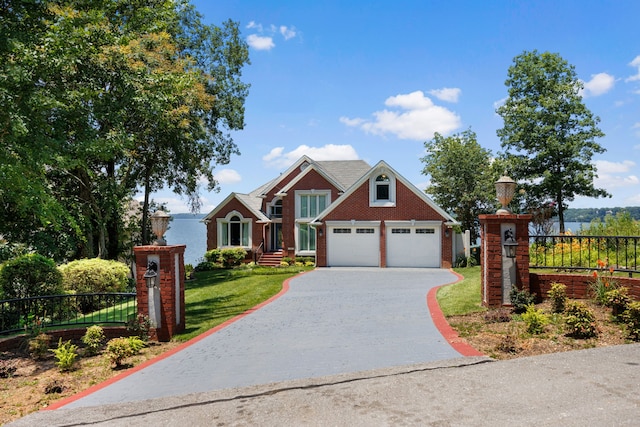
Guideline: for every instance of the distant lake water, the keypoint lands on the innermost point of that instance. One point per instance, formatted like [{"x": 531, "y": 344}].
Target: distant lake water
[{"x": 191, "y": 232}]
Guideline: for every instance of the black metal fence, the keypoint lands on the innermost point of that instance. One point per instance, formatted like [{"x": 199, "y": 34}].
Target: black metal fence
[
  {"x": 27, "y": 314},
  {"x": 568, "y": 252}
]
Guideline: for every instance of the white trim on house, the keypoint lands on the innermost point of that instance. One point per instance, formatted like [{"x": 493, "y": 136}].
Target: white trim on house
[{"x": 245, "y": 224}]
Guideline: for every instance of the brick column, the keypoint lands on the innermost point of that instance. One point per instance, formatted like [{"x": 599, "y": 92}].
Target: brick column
[
  {"x": 493, "y": 260},
  {"x": 171, "y": 287}
]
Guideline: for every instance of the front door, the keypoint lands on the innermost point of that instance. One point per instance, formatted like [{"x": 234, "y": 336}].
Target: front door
[{"x": 276, "y": 236}]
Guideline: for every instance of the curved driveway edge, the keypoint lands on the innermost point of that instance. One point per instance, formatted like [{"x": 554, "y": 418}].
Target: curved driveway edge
[{"x": 331, "y": 321}]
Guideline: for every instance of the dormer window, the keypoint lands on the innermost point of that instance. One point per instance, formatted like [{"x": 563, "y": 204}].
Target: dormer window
[
  {"x": 382, "y": 190},
  {"x": 382, "y": 187}
]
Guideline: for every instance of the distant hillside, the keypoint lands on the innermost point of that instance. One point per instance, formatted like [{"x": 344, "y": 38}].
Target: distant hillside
[
  {"x": 188, "y": 216},
  {"x": 589, "y": 214}
]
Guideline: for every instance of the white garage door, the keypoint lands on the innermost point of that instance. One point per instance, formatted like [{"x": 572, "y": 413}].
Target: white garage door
[
  {"x": 413, "y": 246},
  {"x": 353, "y": 246}
]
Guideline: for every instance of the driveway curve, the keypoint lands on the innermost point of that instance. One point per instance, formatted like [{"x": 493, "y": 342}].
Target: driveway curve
[{"x": 330, "y": 321}]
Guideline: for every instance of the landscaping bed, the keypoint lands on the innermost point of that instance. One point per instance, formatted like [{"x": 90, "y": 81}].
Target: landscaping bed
[{"x": 509, "y": 339}]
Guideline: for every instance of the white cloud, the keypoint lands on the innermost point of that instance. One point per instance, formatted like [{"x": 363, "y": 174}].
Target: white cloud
[
  {"x": 615, "y": 174},
  {"x": 637, "y": 132},
  {"x": 277, "y": 158},
  {"x": 599, "y": 84},
  {"x": 448, "y": 94},
  {"x": 419, "y": 120},
  {"x": 253, "y": 25},
  {"x": 634, "y": 63},
  {"x": 227, "y": 176},
  {"x": 606, "y": 166},
  {"x": 260, "y": 43},
  {"x": 287, "y": 32}
]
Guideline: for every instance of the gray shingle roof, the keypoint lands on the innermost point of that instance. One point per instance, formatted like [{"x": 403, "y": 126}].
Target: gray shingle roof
[{"x": 345, "y": 172}]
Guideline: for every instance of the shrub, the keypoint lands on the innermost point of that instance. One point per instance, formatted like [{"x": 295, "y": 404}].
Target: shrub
[
  {"x": 618, "y": 300},
  {"x": 29, "y": 275},
  {"x": 535, "y": 320},
  {"x": 95, "y": 275},
  {"x": 66, "y": 354},
  {"x": 309, "y": 263},
  {"x": 39, "y": 346},
  {"x": 520, "y": 299},
  {"x": 558, "y": 296},
  {"x": 207, "y": 266},
  {"x": 93, "y": 339},
  {"x": 214, "y": 255},
  {"x": 580, "y": 320},
  {"x": 140, "y": 326},
  {"x": 118, "y": 349},
  {"x": 232, "y": 257},
  {"x": 464, "y": 261},
  {"x": 632, "y": 320},
  {"x": 600, "y": 286},
  {"x": 188, "y": 271},
  {"x": 286, "y": 261}
]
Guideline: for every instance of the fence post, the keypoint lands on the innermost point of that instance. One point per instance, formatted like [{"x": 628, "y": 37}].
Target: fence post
[
  {"x": 498, "y": 272},
  {"x": 169, "y": 304}
]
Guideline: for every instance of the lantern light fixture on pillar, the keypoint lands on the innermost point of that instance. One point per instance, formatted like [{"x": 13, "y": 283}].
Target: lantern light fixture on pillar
[
  {"x": 159, "y": 225},
  {"x": 151, "y": 275},
  {"x": 505, "y": 190},
  {"x": 510, "y": 244}
]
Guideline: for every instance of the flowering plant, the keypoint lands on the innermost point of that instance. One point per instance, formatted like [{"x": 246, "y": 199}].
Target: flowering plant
[{"x": 602, "y": 284}]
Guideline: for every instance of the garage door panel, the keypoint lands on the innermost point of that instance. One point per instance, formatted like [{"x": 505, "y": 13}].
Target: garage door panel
[
  {"x": 413, "y": 246},
  {"x": 353, "y": 246}
]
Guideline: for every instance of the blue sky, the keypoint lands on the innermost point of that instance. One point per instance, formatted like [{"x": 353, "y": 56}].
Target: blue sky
[{"x": 374, "y": 80}]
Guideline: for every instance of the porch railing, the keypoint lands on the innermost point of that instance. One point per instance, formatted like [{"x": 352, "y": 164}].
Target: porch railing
[
  {"x": 568, "y": 252},
  {"x": 41, "y": 312}
]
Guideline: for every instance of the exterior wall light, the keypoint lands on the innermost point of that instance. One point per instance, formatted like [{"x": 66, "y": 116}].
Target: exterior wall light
[
  {"x": 151, "y": 275},
  {"x": 505, "y": 190},
  {"x": 510, "y": 244},
  {"x": 159, "y": 225}
]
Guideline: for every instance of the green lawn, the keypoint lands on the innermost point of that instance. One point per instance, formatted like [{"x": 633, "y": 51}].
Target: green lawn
[
  {"x": 462, "y": 297},
  {"x": 214, "y": 297}
]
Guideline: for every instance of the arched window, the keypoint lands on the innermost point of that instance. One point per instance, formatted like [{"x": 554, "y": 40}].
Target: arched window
[
  {"x": 234, "y": 230},
  {"x": 382, "y": 187},
  {"x": 382, "y": 190}
]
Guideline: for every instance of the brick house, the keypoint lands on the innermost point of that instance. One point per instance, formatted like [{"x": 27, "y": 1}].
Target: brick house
[{"x": 342, "y": 213}]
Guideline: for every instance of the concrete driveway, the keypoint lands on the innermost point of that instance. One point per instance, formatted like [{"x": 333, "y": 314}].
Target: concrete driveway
[{"x": 330, "y": 321}]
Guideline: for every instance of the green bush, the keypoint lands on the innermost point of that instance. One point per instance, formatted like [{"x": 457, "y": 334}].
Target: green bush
[
  {"x": 558, "y": 296},
  {"x": 632, "y": 320},
  {"x": 535, "y": 320},
  {"x": 214, "y": 255},
  {"x": 66, "y": 354},
  {"x": 95, "y": 275},
  {"x": 286, "y": 261},
  {"x": 580, "y": 320},
  {"x": 521, "y": 299},
  {"x": 39, "y": 346},
  {"x": 29, "y": 275},
  {"x": 618, "y": 300},
  {"x": 140, "y": 326},
  {"x": 207, "y": 266},
  {"x": 118, "y": 349},
  {"x": 93, "y": 339},
  {"x": 232, "y": 257}
]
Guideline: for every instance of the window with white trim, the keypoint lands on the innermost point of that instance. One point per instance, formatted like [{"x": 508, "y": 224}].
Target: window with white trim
[
  {"x": 234, "y": 230},
  {"x": 310, "y": 205},
  {"x": 382, "y": 190}
]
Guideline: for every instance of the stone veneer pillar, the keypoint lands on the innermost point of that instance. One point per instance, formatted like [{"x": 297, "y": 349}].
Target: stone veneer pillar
[
  {"x": 499, "y": 273},
  {"x": 170, "y": 260}
]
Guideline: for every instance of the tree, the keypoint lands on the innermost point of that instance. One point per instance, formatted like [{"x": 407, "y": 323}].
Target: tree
[
  {"x": 549, "y": 134},
  {"x": 104, "y": 98},
  {"x": 462, "y": 179}
]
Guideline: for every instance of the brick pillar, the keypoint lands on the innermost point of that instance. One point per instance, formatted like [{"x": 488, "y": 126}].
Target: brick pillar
[
  {"x": 496, "y": 268},
  {"x": 170, "y": 261}
]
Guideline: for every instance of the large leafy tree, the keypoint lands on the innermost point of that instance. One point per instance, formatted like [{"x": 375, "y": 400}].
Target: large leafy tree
[
  {"x": 462, "y": 177},
  {"x": 549, "y": 135},
  {"x": 103, "y": 98}
]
